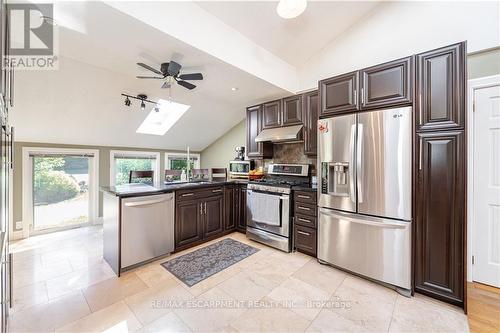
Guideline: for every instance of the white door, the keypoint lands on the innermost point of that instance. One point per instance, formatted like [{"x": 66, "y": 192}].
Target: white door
[{"x": 486, "y": 268}]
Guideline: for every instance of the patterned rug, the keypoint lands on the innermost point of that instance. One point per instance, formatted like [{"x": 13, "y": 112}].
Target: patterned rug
[{"x": 198, "y": 265}]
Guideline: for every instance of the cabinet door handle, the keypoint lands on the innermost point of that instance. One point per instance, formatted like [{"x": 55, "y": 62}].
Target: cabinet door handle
[
  {"x": 303, "y": 233},
  {"x": 303, "y": 196},
  {"x": 304, "y": 220},
  {"x": 420, "y": 154},
  {"x": 362, "y": 96},
  {"x": 304, "y": 208},
  {"x": 187, "y": 194},
  {"x": 420, "y": 108},
  {"x": 215, "y": 191},
  {"x": 201, "y": 208},
  {"x": 205, "y": 207},
  {"x": 355, "y": 97}
]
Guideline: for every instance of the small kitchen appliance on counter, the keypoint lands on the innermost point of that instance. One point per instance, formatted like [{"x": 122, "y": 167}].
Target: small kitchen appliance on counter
[
  {"x": 240, "y": 151},
  {"x": 239, "y": 169},
  {"x": 268, "y": 204}
]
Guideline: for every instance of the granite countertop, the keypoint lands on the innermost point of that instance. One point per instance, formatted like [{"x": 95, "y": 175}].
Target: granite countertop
[
  {"x": 131, "y": 190},
  {"x": 307, "y": 188}
]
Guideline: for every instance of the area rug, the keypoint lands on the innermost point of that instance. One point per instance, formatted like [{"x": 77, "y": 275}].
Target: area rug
[{"x": 198, "y": 265}]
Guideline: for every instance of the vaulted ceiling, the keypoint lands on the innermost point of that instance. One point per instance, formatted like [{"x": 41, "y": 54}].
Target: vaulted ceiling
[{"x": 234, "y": 44}]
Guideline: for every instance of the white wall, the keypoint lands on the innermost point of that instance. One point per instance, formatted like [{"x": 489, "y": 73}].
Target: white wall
[{"x": 397, "y": 29}]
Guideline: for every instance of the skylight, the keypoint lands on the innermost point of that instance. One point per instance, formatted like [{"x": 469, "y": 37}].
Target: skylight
[{"x": 158, "y": 123}]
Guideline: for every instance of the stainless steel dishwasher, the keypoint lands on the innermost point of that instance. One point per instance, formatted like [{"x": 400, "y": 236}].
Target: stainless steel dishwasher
[{"x": 147, "y": 228}]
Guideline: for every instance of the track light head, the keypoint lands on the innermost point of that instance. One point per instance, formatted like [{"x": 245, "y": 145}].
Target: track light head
[
  {"x": 127, "y": 102},
  {"x": 157, "y": 109},
  {"x": 143, "y": 105}
]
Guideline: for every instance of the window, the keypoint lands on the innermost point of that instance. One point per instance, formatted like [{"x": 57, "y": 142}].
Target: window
[
  {"x": 122, "y": 162},
  {"x": 60, "y": 188},
  {"x": 178, "y": 161}
]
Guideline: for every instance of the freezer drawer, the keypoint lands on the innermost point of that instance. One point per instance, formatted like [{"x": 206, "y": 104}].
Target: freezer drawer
[
  {"x": 147, "y": 228},
  {"x": 374, "y": 247}
]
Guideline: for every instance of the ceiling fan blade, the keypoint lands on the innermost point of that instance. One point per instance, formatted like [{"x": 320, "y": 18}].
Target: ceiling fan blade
[
  {"x": 165, "y": 85},
  {"x": 173, "y": 68},
  {"x": 185, "y": 84},
  {"x": 193, "y": 76},
  {"x": 149, "y": 77},
  {"x": 149, "y": 68}
]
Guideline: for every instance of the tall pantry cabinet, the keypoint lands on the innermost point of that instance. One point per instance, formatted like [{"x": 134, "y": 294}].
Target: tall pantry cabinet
[{"x": 440, "y": 174}]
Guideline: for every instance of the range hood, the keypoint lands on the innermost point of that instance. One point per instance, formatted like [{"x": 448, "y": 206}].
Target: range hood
[{"x": 281, "y": 134}]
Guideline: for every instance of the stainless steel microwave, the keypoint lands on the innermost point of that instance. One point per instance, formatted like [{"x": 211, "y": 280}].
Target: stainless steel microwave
[{"x": 240, "y": 169}]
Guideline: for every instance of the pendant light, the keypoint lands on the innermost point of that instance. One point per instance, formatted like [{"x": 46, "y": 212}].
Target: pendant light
[{"x": 288, "y": 9}]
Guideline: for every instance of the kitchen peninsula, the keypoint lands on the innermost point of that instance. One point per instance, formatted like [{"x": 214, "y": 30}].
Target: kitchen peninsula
[{"x": 143, "y": 222}]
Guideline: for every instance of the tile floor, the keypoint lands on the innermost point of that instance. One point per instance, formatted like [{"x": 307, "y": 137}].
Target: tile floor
[{"x": 62, "y": 284}]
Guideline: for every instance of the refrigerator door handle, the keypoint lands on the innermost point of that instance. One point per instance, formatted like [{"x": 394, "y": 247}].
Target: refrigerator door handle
[
  {"x": 359, "y": 163},
  {"x": 352, "y": 193},
  {"x": 376, "y": 222}
]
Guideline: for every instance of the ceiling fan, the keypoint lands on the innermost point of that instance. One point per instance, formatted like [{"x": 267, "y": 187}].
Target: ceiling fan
[{"x": 169, "y": 71}]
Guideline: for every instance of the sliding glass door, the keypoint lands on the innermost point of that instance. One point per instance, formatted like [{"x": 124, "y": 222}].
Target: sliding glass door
[{"x": 61, "y": 191}]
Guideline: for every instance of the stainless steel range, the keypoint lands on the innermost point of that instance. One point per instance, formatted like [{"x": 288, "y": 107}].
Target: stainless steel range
[{"x": 268, "y": 204}]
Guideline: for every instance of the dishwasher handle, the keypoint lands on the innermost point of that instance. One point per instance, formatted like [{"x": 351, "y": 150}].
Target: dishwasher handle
[{"x": 146, "y": 203}]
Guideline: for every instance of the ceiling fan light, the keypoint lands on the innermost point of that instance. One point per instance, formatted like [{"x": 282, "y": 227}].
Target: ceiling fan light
[{"x": 288, "y": 9}]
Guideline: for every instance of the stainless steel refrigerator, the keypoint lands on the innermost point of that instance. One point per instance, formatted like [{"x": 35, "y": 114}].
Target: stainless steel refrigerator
[{"x": 364, "y": 196}]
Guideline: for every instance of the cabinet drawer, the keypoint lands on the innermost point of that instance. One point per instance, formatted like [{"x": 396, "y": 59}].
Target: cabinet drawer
[
  {"x": 305, "y": 197},
  {"x": 305, "y": 220},
  {"x": 304, "y": 208},
  {"x": 190, "y": 194},
  {"x": 305, "y": 239}
]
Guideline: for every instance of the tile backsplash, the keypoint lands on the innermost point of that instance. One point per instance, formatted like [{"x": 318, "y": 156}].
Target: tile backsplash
[{"x": 289, "y": 153}]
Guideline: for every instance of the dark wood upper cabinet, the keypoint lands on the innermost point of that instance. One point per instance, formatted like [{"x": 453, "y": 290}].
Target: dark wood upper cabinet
[
  {"x": 271, "y": 114},
  {"x": 188, "y": 222},
  {"x": 440, "y": 215},
  {"x": 254, "y": 126},
  {"x": 311, "y": 104},
  {"x": 292, "y": 110},
  {"x": 441, "y": 81},
  {"x": 213, "y": 211},
  {"x": 387, "y": 84},
  {"x": 339, "y": 94}
]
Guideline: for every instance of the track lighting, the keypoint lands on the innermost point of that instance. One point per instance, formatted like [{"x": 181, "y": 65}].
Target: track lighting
[{"x": 143, "y": 98}]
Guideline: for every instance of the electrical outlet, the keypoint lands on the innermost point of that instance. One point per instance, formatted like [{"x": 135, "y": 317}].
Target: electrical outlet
[{"x": 19, "y": 225}]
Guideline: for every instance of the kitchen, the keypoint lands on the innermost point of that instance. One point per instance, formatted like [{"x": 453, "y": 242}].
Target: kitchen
[{"x": 350, "y": 192}]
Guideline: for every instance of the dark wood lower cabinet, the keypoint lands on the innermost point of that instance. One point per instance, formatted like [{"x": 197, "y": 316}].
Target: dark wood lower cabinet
[
  {"x": 207, "y": 213},
  {"x": 188, "y": 223},
  {"x": 440, "y": 215},
  {"x": 305, "y": 222},
  {"x": 305, "y": 239},
  {"x": 230, "y": 207},
  {"x": 213, "y": 216},
  {"x": 241, "y": 224}
]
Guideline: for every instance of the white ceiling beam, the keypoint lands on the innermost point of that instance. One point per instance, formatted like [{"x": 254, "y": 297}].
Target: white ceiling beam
[{"x": 191, "y": 24}]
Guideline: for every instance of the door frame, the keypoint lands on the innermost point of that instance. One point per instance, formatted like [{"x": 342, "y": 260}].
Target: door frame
[
  {"x": 472, "y": 86},
  {"x": 27, "y": 180}
]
